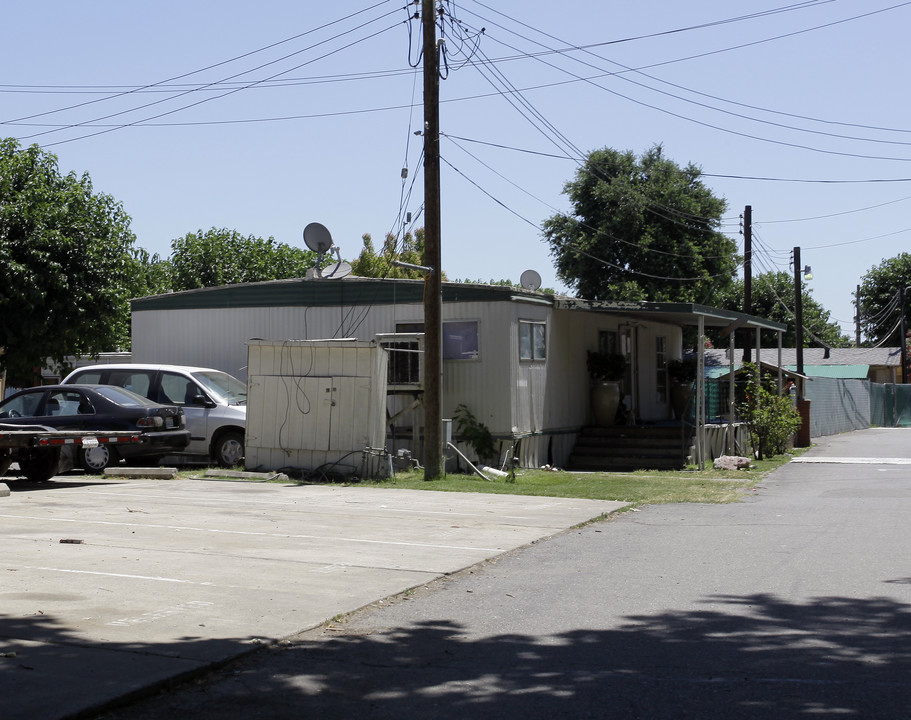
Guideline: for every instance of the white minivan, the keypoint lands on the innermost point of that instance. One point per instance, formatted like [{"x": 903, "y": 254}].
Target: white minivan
[{"x": 214, "y": 403}]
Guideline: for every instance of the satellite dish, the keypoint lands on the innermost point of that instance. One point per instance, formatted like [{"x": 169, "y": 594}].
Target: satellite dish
[
  {"x": 335, "y": 270},
  {"x": 530, "y": 280},
  {"x": 318, "y": 238}
]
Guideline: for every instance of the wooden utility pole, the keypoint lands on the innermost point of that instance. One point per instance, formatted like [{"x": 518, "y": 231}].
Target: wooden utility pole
[
  {"x": 433, "y": 304},
  {"x": 901, "y": 334},
  {"x": 857, "y": 318},
  {"x": 798, "y": 317},
  {"x": 803, "y": 405},
  {"x": 747, "y": 277}
]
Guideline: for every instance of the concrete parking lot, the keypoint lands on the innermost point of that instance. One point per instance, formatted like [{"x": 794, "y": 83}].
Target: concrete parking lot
[{"x": 112, "y": 586}]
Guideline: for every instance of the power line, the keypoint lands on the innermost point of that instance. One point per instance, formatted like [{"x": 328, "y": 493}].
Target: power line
[
  {"x": 208, "y": 99},
  {"x": 694, "y": 120},
  {"x": 195, "y": 72}
]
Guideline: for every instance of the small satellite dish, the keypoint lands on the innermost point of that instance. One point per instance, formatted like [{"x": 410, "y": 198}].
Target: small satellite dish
[
  {"x": 335, "y": 270},
  {"x": 318, "y": 238},
  {"x": 530, "y": 280}
]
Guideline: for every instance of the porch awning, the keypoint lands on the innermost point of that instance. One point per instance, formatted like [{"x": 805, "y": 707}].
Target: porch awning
[{"x": 675, "y": 313}]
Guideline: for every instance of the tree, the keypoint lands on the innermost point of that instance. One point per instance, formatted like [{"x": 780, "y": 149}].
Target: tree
[
  {"x": 67, "y": 268},
  {"x": 379, "y": 265},
  {"x": 879, "y": 312},
  {"x": 773, "y": 299},
  {"x": 641, "y": 230},
  {"x": 225, "y": 257},
  {"x": 772, "y": 418},
  {"x": 154, "y": 273}
]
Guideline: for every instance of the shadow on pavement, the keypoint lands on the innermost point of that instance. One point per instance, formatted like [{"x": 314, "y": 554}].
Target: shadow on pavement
[
  {"x": 22, "y": 484},
  {"x": 745, "y": 657}
]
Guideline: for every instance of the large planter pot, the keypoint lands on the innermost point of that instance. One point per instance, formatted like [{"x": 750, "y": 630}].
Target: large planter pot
[
  {"x": 680, "y": 398},
  {"x": 605, "y": 401}
]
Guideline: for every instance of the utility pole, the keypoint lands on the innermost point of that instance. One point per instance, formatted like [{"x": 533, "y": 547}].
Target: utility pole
[
  {"x": 433, "y": 304},
  {"x": 747, "y": 278},
  {"x": 803, "y": 405},
  {"x": 901, "y": 334},
  {"x": 857, "y": 318},
  {"x": 798, "y": 315}
]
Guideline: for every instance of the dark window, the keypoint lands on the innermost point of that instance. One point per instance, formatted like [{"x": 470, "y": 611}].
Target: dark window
[{"x": 460, "y": 340}]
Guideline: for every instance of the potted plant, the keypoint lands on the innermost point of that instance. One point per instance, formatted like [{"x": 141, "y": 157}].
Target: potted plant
[
  {"x": 682, "y": 374},
  {"x": 606, "y": 371}
]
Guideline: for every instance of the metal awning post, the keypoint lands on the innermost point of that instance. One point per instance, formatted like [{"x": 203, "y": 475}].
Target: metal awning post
[
  {"x": 780, "y": 374},
  {"x": 729, "y": 439},
  {"x": 700, "y": 397}
]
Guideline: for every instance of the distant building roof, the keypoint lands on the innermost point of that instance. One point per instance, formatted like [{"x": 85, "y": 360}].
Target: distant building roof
[{"x": 816, "y": 357}]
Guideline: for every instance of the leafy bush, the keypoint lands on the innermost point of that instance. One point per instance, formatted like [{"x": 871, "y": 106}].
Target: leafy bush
[
  {"x": 606, "y": 366},
  {"x": 772, "y": 419},
  {"x": 474, "y": 433},
  {"x": 682, "y": 372}
]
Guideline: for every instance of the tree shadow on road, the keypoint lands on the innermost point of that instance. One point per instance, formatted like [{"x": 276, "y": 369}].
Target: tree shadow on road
[{"x": 742, "y": 657}]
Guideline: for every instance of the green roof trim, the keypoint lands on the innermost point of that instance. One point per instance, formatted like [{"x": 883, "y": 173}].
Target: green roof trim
[{"x": 300, "y": 292}]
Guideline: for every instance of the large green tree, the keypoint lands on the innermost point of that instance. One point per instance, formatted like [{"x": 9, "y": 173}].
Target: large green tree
[
  {"x": 641, "y": 229},
  {"x": 879, "y": 293},
  {"x": 772, "y": 297},
  {"x": 67, "y": 266},
  {"x": 409, "y": 249},
  {"x": 225, "y": 257}
]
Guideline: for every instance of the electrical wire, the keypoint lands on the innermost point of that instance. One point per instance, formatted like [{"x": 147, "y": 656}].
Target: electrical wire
[
  {"x": 626, "y": 69},
  {"x": 208, "y": 99},
  {"x": 574, "y": 248},
  {"x": 197, "y": 71},
  {"x": 555, "y": 210},
  {"x": 701, "y": 122}
]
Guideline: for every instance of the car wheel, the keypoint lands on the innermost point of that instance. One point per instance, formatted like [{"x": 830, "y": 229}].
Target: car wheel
[
  {"x": 228, "y": 450},
  {"x": 95, "y": 460},
  {"x": 41, "y": 466}
]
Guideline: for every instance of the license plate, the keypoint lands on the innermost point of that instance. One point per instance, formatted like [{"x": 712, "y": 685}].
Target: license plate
[{"x": 90, "y": 442}]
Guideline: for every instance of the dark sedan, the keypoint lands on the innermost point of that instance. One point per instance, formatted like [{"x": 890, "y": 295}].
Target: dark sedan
[{"x": 99, "y": 408}]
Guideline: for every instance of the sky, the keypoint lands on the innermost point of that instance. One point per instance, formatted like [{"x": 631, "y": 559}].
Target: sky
[{"x": 265, "y": 118}]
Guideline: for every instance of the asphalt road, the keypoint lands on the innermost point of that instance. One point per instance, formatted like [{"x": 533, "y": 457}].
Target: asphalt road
[{"x": 795, "y": 603}]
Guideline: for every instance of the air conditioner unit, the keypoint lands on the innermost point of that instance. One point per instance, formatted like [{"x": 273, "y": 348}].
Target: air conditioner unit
[{"x": 406, "y": 360}]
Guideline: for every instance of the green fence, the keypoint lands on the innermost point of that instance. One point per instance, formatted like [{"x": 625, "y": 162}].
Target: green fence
[{"x": 890, "y": 405}]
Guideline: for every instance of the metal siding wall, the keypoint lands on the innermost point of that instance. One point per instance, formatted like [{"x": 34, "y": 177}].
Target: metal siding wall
[
  {"x": 566, "y": 385},
  {"x": 217, "y": 337},
  {"x": 529, "y": 395},
  {"x": 483, "y": 385}
]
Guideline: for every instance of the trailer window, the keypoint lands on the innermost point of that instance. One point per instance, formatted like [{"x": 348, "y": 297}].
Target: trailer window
[
  {"x": 460, "y": 340},
  {"x": 532, "y": 340}
]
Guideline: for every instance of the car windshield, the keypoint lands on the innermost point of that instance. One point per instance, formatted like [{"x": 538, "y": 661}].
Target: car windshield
[
  {"x": 122, "y": 396},
  {"x": 222, "y": 386}
]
